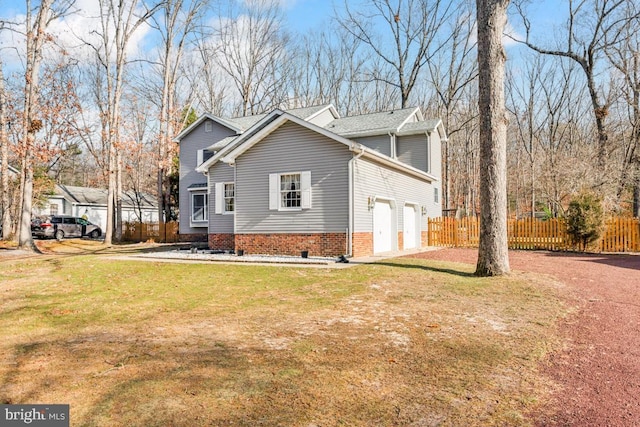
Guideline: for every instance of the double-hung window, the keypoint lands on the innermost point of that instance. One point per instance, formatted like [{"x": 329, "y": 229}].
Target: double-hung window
[
  {"x": 225, "y": 197},
  {"x": 199, "y": 207},
  {"x": 290, "y": 191},
  {"x": 290, "y": 194}
]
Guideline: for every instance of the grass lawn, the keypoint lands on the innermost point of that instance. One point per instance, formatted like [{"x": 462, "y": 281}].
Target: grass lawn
[{"x": 404, "y": 342}]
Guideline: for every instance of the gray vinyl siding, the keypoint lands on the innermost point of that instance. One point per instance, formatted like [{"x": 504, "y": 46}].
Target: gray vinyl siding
[
  {"x": 435, "y": 146},
  {"x": 293, "y": 148},
  {"x": 198, "y": 139},
  {"x": 380, "y": 143},
  {"x": 219, "y": 223},
  {"x": 412, "y": 150},
  {"x": 372, "y": 179}
]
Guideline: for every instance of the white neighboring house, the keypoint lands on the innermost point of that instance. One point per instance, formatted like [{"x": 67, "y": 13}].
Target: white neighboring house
[{"x": 92, "y": 202}]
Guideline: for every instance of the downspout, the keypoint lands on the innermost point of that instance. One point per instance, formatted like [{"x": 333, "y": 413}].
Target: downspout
[
  {"x": 351, "y": 228},
  {"x": 392, "y": 142},
  {"x": 235, "y": 199}
]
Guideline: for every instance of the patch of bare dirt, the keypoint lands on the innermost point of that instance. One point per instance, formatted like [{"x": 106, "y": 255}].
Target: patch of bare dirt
[{"x": 598, "y": 371}]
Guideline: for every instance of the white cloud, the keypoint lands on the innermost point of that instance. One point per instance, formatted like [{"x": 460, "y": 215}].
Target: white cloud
[{"x": 71, "y": 33}]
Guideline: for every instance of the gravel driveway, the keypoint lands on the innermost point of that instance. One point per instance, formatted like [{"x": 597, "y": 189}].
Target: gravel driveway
[{"x": 599, "y": 370}]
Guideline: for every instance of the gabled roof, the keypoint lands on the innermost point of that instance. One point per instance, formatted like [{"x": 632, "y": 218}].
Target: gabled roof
[
  {"x": 226, "y": 123},
  {"x": 278, "y": 117},
  {"x": 426, "y": 126},
  {"x": 226, "y": 144},
  {"x": 406, "y": 121},
  {"x": 374, "y": 123},
  {"x": 98, "y": 196},
  {"x": 241, "y": 124}
]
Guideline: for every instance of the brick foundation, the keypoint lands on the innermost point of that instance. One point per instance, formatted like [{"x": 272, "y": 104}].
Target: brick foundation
[
  {"x": 199, "y": 237},
  {"x": 362, "y": 244},
  {"x": 425, "y": 239},
  {"x": 319, "y": 244},
  {"x": 222, "y": 241}
]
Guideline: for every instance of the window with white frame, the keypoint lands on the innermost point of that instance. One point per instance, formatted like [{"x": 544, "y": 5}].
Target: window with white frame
[
  {"x": 290, "y": 194},
  {"x": 229, "y": 197},
  {"x": 290, "y": 191},
  {"x": 208, "y": 126},
  {"x": 225, "y": 197},
  {"x": 199, "y": 204},
  {"x": 436, "y": 195},
  {"x": 53, "y": 209}
]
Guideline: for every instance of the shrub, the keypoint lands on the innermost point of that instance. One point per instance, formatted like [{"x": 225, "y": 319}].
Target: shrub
[{"x": 585, "y": 219}]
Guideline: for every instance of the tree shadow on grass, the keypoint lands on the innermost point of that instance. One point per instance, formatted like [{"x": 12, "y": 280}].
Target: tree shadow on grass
[{"x": 451, "y": 271}]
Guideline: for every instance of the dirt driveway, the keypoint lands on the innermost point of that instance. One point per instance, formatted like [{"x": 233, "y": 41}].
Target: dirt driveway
[{"x": 598, "y": 372}]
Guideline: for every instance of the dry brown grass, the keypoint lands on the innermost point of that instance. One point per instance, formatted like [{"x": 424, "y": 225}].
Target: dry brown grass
[{"x": 405, "y": 342}]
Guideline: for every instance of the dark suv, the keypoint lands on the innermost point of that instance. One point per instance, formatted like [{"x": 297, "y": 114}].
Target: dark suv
[{"x": 61, "y": 226}]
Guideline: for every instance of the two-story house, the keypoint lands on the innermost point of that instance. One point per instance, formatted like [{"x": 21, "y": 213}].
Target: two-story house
[{"x": 307, "y": 179}]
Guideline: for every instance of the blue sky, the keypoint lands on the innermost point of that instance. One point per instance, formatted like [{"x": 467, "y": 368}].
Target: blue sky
[{"x": 316, "y": 14}]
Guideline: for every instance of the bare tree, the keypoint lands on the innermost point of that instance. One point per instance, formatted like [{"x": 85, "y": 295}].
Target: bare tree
[
  {"x": 328, "y": 69},
  {"x": 451, "y": 71},
  {"x": 35, "y": 39},
  {"x": 493, "y": 255},
  {"x": 5, "y": 221},
  {"x": 522, "y": 95},
  {"x": 252, "y": 51},
  {"x": 177, "y": 23},
  {"x": 119, "y": 20},
  {"x": 592, "y": 28},
  {"x": 625, "y": 57},
  {"x": 407, "y": 41}
]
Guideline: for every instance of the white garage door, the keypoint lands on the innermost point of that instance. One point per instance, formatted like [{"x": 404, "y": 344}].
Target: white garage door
[
  {"x": 409, "y": 232},
  {"x": 382, "y": 227}
]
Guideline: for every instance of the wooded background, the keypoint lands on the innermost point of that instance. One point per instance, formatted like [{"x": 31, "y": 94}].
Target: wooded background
[{"x": 93, "y": 93}]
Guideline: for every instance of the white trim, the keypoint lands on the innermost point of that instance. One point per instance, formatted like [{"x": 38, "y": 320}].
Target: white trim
[
  {"x": 199, "y": 222},
  {"x": 219, "y": 198},
  {"x": 305, "y": 190},
  {"x": 274, "y": 191},
  {"x": 197, "y": 189},
  {"x": 275, "y": 198},
  {"x": 201, "y": 119}
]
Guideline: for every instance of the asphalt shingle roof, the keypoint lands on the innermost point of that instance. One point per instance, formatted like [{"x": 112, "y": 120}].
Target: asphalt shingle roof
[
  {"x": 98, "y": 196},
  {"x": 369, "y": 123}
]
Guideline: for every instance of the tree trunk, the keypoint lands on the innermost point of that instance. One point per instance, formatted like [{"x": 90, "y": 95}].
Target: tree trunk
[
  {"x": 4, "y": 163},
  {"x": 493, "y": 256}
]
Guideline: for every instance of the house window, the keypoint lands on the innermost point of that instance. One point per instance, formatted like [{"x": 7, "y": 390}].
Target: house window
[
  {"x": 290, "y": 191},
  {"x": 436, "y": 195},
  {"x": 225, "y": 197},
  {"x": 208, "y": 126},
  {"x": 229, "y": 197},
  {"x": 290, "y": 194},
  {"x": 53, "y": 209},
  {"x": 199, "y": 207}
]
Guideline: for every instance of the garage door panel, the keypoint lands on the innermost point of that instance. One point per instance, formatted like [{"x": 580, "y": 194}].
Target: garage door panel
[
  {"x": 382, "y": 227},
  {"x": 409, "y": 231}
]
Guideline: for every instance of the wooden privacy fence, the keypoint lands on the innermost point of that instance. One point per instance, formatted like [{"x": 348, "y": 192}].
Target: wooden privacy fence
[
  {"x": 141, "y": 232},
  {"x": 620, "y": 234}
]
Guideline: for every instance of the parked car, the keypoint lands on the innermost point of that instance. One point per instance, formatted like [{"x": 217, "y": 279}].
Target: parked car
[{"x": 62, "y": 226}]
